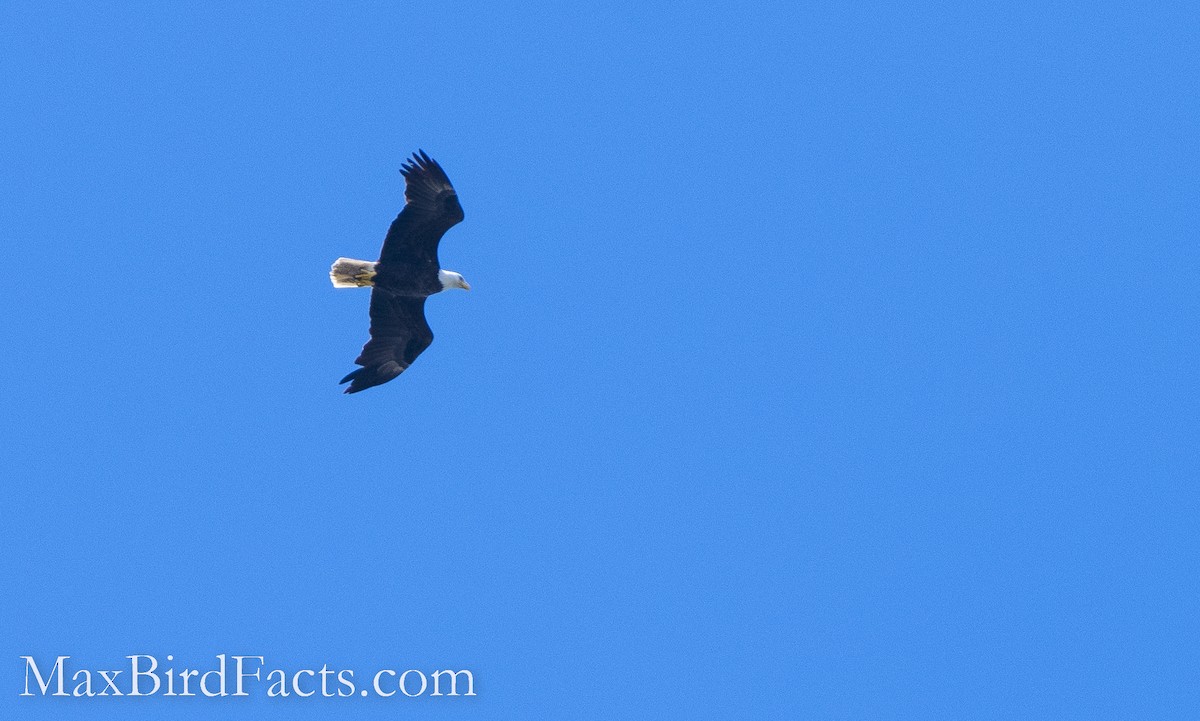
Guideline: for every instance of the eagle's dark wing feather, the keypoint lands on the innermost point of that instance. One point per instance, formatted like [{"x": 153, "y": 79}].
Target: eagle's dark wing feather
[
  {"x": 431, "y": 208},
  {"x": 399, "y": 333}
]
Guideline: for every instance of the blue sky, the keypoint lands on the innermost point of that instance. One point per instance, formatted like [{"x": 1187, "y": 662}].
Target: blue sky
[{"x": 822, "y": 361}]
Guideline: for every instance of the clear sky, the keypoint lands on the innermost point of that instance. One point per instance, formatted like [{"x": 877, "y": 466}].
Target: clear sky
[{"x": 829, "y": 361}]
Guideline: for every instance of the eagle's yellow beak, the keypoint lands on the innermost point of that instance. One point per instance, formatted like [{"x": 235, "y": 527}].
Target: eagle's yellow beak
[{"x": 465, "y": 285}]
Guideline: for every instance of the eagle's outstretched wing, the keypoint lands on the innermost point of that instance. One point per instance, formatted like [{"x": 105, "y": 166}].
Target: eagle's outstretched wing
[
  {"x": 431, "y": 208},
  {"x": 399, "y": 334}
]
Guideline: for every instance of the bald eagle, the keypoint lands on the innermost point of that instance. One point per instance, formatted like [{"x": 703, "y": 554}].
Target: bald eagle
[{"x": 406, "y": 273}]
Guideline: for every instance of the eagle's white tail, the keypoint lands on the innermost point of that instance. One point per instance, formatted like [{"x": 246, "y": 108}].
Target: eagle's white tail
[{"x": 351, "y": 273}]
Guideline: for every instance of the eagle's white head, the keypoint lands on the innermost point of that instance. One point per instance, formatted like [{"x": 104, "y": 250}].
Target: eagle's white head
[{"x": 450, "y": 279}]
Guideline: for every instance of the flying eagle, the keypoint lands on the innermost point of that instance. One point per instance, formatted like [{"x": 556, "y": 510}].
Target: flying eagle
[{"x": 406, "y": 273}]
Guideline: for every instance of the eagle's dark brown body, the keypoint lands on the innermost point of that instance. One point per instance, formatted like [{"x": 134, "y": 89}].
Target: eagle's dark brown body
[{"x": 408, "y": 280}]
